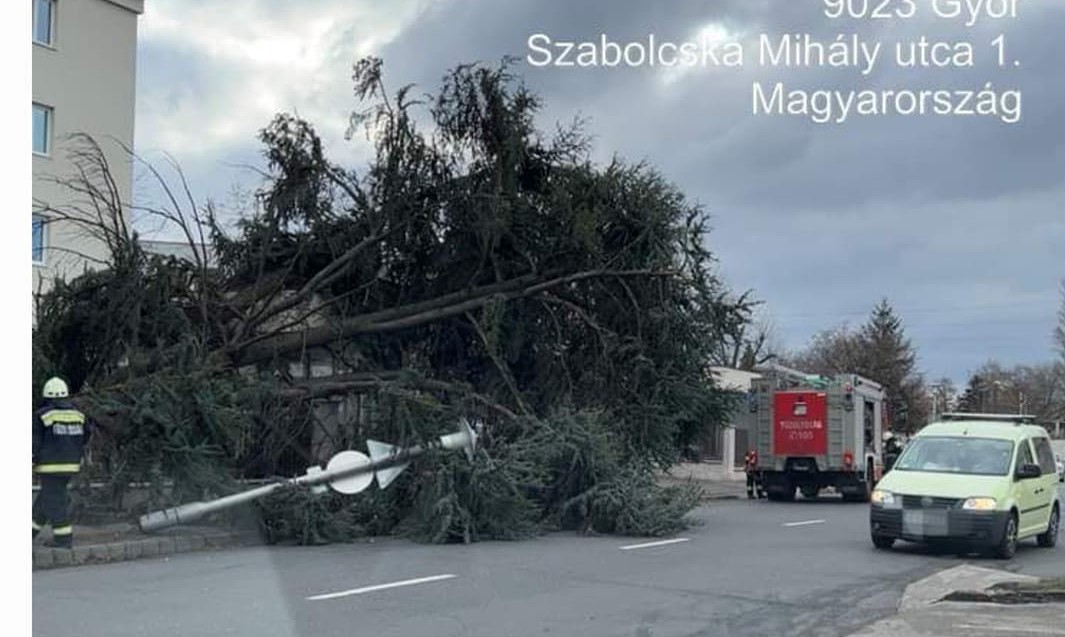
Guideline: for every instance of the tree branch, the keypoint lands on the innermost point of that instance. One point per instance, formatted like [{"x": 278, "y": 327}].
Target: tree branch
[
  {"x": 419, "y": 313},
  {"x": 318, "y": 388}
]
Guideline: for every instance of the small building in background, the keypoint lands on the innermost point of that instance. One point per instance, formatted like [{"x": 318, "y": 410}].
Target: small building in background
[
  {"x": 738, "y": 382},
  {"x": 724, "y": 445}
]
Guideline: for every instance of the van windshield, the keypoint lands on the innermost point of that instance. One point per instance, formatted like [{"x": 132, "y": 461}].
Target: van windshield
[{"x": 950, "y": 454}]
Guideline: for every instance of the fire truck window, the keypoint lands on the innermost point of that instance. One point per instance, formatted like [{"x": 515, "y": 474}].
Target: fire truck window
[{"x": 867, "y": 419}]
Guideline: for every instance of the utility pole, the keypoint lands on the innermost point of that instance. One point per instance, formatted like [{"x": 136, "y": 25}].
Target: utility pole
[{"x": 935, "y": 400}]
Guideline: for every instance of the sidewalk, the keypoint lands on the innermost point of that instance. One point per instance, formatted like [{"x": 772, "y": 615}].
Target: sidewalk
[
  {"x": 709, "y": 477},
  {"x": 125, "y": 542},
  {"x": 922, "y": 613}
]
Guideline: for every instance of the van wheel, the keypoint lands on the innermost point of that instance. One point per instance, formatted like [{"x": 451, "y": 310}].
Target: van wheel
[
  {"x": 1050, "y": 538},
  {"x": 810, "y": 492},
  {"x": 1007, "y": 547},
  {"x": 883, "y": 542}
]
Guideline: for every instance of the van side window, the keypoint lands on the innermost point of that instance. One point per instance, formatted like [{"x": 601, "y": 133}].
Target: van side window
[
  {"x": 1024, "y": 455},
  {"x": 1046, "y": 456}
]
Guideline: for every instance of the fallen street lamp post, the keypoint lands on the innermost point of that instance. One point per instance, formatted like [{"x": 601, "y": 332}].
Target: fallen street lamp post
[{"x": 347, "y": 472}]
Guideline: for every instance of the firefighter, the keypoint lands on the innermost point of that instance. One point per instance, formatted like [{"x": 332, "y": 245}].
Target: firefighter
[
  {"x": 892, "y": 449},
  {"x": 750, "y": 462},
  {"x": 891, "y": 444},
  {"x": 60, "y": 433}
]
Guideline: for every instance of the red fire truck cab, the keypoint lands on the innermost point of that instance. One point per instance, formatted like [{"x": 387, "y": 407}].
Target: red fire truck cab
[{"x": 811, "y": 432}]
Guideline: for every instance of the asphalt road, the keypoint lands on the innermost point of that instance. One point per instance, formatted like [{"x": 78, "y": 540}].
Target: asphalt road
[{"x": 748, "y": 569}]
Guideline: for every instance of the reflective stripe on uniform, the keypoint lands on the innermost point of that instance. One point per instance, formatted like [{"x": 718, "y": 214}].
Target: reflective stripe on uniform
[
  {"x": 63, "y": 530},
  {"x": 37, "y": 527},
  {"x": 67, "y": 467},
  {"x": 71, "y": 416}
]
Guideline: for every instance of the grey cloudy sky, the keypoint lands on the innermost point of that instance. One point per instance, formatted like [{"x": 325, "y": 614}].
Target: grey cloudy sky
[{"x": 960, "y": 222}]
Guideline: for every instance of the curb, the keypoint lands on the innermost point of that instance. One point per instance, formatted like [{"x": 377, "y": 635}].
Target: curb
[
  {"x": 148, "y": 546},
  {"x": 1007, "y": 597},
  {"x": 966, "y": 577}
]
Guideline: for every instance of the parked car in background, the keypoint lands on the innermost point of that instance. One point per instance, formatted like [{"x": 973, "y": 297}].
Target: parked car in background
[{"x": 1061, "y": 467}]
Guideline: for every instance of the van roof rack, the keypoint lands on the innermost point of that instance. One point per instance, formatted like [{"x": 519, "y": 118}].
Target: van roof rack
[{"x": 1016, "y": 419}]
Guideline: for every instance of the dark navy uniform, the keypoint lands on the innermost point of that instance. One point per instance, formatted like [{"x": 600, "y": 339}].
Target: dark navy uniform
[{"x": 60, "y": 433}]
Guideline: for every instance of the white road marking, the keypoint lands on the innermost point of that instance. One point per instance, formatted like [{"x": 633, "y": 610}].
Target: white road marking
[
  {"x": 1013, "y": 629},
  {"x": 804, "y": 523},
  {"x": 648, "y": 545},
  {"x": 381, "y": 587}
]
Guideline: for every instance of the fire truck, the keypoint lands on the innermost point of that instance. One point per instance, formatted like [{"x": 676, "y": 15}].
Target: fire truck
[{"x": 810, "y": 432}]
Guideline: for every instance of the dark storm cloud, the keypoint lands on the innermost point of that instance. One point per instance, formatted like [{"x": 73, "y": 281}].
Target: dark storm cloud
[
  {"x": 764, "y": 160},
  {"x": 960, "y": 221}
]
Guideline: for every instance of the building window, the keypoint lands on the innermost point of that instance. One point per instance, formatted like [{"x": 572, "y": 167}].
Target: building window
[
  {"x": 38, "y": 239},
  {"x": 42, "y": 129},
  {"x": 43, "y": 21}
]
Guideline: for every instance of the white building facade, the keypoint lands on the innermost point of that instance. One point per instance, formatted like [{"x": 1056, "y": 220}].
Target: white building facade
[{"x": 84, "y": 81}]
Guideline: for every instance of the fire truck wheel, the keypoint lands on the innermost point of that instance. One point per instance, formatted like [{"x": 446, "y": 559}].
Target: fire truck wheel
[
  {"x": 862, "y": 496},
  {"x": 788, "y": 495}
]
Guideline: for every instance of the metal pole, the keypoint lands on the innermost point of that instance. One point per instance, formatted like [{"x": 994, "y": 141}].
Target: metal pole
[
  {"x": 157, "y": 520},
  {"x": 195, "y": 510}
]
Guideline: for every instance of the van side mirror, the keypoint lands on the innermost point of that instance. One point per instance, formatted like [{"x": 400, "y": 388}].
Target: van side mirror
[{"x": 1029, "y": 471}]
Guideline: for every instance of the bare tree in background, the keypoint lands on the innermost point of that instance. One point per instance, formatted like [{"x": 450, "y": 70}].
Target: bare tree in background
[
  {"x": 833, "y": 351},
  {"x": 1037, "y": 390},
  {"x": 942, "y": 396},
  {"x": 1059, "y": 331},
  {"x": 749, "y": 342}
]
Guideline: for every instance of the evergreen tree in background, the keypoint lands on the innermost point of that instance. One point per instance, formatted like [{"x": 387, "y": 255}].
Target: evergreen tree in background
[
  {"x": 888, "y": 357},
  {"x": 972, "y": 401},
  {"x": 880, "y": 351}
]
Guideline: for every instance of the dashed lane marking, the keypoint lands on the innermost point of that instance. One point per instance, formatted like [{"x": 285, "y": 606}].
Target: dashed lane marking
[
  {"x": 804, "y": 523},
  {"x": 381, "y": 587},
  {"x": 648, "y": 545}
]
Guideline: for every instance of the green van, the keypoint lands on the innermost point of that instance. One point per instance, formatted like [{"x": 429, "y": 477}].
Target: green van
[{"x": 984, "y": 480}]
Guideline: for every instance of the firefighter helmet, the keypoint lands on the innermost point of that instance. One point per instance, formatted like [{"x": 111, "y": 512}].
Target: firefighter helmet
[{"x": 55, "y": 387}]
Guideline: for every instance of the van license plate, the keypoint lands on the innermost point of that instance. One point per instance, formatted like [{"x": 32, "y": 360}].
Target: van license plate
[{"x": 924, "y": 523}]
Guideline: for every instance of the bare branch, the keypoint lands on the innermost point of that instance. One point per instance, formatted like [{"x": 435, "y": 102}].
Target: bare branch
[
  {"x": 323, "y": 278},
  {"x": 501, "y": 365}
]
